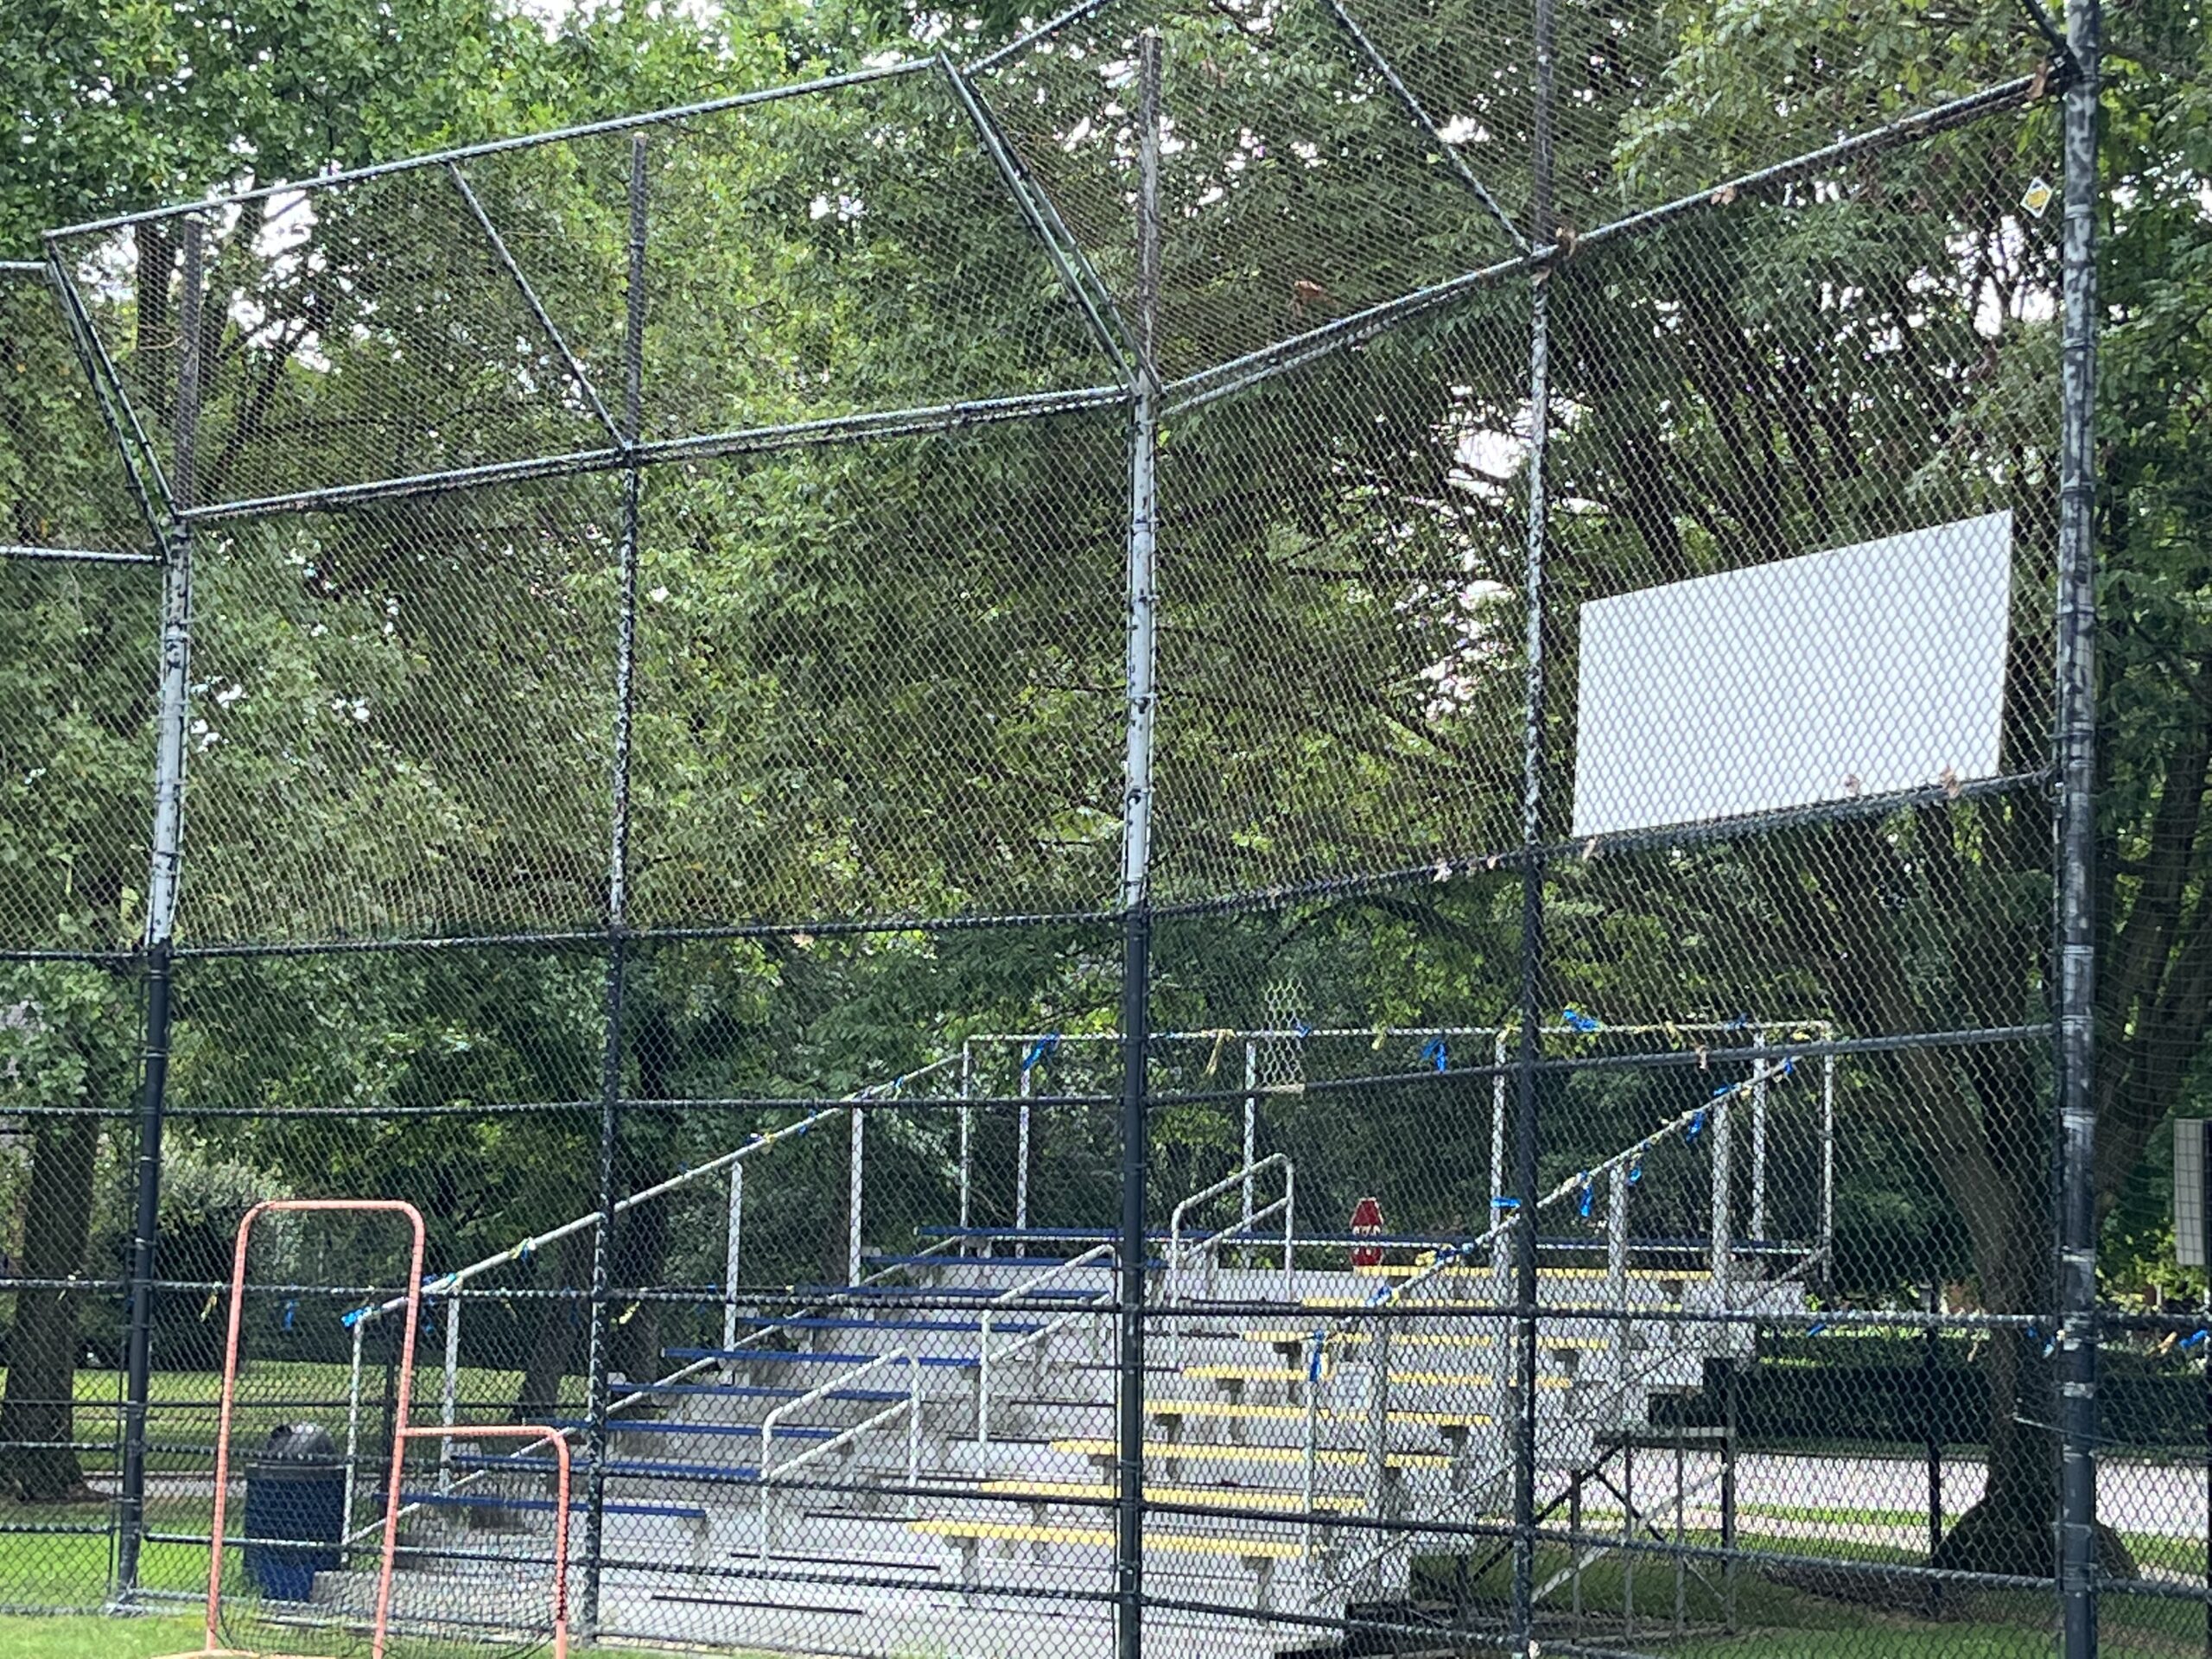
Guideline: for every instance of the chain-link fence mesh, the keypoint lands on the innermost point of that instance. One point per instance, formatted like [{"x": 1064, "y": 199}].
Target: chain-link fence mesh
[{"x": 1251, "y": 861}]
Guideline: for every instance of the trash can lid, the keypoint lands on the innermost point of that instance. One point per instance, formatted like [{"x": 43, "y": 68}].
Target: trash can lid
[{"x": 298, "y": 1443}]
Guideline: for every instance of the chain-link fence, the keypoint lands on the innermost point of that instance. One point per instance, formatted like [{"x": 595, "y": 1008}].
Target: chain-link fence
[{"x": 1232, "y": 832}]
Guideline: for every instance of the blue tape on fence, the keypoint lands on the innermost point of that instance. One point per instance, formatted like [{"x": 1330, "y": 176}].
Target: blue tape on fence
[
  {"x": 1816, "y": 1327},
  {"x": 1589, "y": 1191},
  {"x": 2193, "y": 1339},
  {"x": 1303, "y": 1027},
  {"x": 349, "y": 1320},
  {"x": 1696, "y": 1125},
  {"x": 291, "y": 1309},
  {"x": 1505, "y": 1203},
  {"x": 1436, "y": 1054},
  {"x": 1314, "y": 1370},
  {"x": 1040, "y": 1051},
  {"x": 1574, "y": 1019}
]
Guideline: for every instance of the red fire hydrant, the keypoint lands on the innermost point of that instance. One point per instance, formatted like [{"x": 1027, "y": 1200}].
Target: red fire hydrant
[{"x": 1367, "y": 1218}]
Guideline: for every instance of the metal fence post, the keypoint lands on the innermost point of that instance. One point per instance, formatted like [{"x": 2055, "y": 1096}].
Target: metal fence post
[
  {"x": 617, "y": 908},
  {"x": 164, "y": 872},
  {"x": 2076, "y": 836},
  {"x": 1522, "y": 1628},
  {"x": 1141, "y": 601}
]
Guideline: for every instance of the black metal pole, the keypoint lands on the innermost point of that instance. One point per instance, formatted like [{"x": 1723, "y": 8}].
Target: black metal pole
[
  {"x": 1140, "y": 601},
  {"x": 161, "y": 909},
  {"x": 130, "y": 1517},
  {"x": 2076, "y": 846},
  {"x": 1729, "y": 1372},
  {"x": 610, "y": 1071},
  {"x": 1128, "y": 1554},
  {"x": 1522, "y": 1631},
  {"x": 1931, "y": 1424}
]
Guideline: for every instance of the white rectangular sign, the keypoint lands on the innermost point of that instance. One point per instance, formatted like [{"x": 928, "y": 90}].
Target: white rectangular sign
[{"x": 1860, "y": 670}]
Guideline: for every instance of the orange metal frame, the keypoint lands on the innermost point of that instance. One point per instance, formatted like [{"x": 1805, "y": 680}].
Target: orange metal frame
[
  {"x": 211, "y": 1647},
  {"x": 404, "y": 1433},
  {"x": 531, "y": 1432}
]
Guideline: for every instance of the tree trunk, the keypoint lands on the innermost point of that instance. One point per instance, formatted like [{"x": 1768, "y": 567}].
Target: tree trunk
[
  {"x": 2012, "y": 1528},
  {"x": 560, "y": 1327},
  {"x": 644, "y": 1158},
  {"x": 38, "y": 1418}
]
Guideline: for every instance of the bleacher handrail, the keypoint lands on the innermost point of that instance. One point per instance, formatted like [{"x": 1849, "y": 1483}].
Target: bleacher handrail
[
  {"x": 1027, "y": 1288},
  {"x": 910, "y": 1407}
]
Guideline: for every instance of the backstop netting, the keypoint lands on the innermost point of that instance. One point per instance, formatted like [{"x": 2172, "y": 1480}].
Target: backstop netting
[{"x": 1226, "y": 824}]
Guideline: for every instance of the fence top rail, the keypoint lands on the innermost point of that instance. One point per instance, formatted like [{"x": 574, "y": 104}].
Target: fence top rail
[
  {"x": 1296, "y": 1033},
  {"x": 667, "y": 116}
]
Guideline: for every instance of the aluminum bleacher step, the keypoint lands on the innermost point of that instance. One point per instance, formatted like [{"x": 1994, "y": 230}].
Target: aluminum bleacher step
[
  {"x": 1242, "y": 1411},
  {"x": 821, "y": 1322},
  {"x": 1241, "y": 1497},
  {"x": 692, "y": 1512},
  {"x": 1230, "y": 1452},
  {"x": 749, "y": 1391},
  {"x": 1017, "y": 1532},
  {"x": 803, "y": 1356}
]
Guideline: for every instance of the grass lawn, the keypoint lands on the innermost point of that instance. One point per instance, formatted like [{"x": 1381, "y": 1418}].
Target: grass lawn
[
  {"x": 143, "y": 1638},
  {"x": 1773, "y": 1616}
]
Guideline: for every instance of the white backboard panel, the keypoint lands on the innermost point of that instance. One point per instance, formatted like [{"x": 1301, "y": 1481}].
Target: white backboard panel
[
  {"x": 1860, "y": 670},
  {"x": 2189, "y": 1191}
]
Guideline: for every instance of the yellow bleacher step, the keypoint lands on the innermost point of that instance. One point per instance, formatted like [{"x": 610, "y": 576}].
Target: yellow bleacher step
[
  {"x": 1419, "y": 1340},
  {"x": 1411, "y": 1379},
  {"x": 1192, "y": 1451},
  {"x": 1241, "y": 1410},
  {"x": 1238, "y": 1497},
  {"x": 1012, "y": 1532},
  {"x": 1407, "y": 1269}
]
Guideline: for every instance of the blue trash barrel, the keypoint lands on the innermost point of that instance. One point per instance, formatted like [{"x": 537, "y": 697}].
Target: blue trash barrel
[{"x": 296, "y": 1492}]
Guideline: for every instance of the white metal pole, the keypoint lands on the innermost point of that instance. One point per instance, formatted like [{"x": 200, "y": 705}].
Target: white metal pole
[
  {"x": 1251, "y": 1126},
  {"x": 1022, "y": 1171},
  {"x": 1617, "y": 1283},
  {"x": 352, "y": 1432},
  {"x": 853, "y": 1223},
  {"x": 1497, "y": 1245},
  {"x": 966, "y": 1138},
  {"x": 1758, "y": 1134},
  {"x": 730, "y": 1244},
  {"x": 1723, "y": 1244},
  {"x": 1828, "y": 1161},
  {"x": 449, "y": 1399}
]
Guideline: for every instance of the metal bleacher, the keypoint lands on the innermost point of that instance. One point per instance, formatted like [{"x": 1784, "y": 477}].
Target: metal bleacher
[{"x": 924, "y": 1458}]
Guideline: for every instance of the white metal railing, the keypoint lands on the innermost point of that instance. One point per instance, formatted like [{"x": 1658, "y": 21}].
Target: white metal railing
[
  {"x": 987, "y": 1358},
  {"x": 1619, "y": 1173},
  {"x": 734, "y": 1161},
  {"x": 910, "y": 1408},
  {"x": 1208, "y": 1246},
  {"x": 1700, "y": 1035}
]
